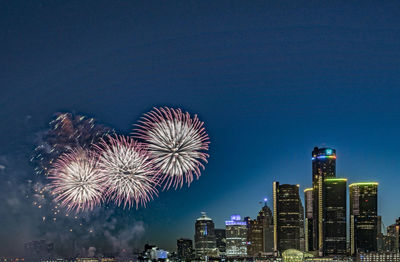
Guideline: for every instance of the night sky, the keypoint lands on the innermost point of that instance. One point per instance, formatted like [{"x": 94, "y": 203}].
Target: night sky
[{"x": 270, "y": 79}]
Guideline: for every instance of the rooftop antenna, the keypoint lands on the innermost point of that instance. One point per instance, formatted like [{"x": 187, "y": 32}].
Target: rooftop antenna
[{"x": 265, "y": 200}]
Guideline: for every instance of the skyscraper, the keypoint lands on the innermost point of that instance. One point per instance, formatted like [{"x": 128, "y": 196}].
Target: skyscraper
[
  {"x": 363, "y": 217},
  {"x": 266, "y": 219},
  {"x": 323, "y": 166},
  {"x": 261, "y": 232},
  {"x": 310, "y": 239},
  {"x": 220, "y": 238},
  {"x": 334, "y": 224},
  {"x": 254, "y": 237},
  {"x": 204, "y": 238},
  {"x": 236, "y": 236},
  {"x": 302, "y": 234},
  {"x": 286, "y": 217},
  {"x": 393, "y": 237},
  {"x": 185, "y": 249}
]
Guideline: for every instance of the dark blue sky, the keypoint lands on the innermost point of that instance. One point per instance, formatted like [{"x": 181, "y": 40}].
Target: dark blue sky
[{"x": 270, "y": 79}]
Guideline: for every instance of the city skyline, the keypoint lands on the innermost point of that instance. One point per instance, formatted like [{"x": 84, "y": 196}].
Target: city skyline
[{"x": 270, "y": 80}]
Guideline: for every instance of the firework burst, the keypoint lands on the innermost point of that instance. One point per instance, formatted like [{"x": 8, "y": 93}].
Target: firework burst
[
  {"x": 176, "y": 143},
  {"x": 67, "y": 132},
  {"x": 131, "y": 176},
  {"x": 77, "y": 183}
]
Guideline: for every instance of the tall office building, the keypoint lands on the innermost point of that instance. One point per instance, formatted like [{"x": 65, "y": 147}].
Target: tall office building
[
  {"x": 393, "y": 237},
  {"x": 286, "y": 217},
  {"x": 309, "y": 233},
  {"x": 363, "y": 217},
  {"x": 302, "y": 234},
  {"x": 323, "y": 167},
  {"x": 254, "y": 237},
  {"x": 236, "y": 237},
  {"x": 266, "y": 219},
  {"x": 204, "y": 238},
  {"x": 185, "y": 249},
  {"x": 334, "y": 224},
  {"x": 220, "y": 238},
  {"x": 261, "y": 232}
]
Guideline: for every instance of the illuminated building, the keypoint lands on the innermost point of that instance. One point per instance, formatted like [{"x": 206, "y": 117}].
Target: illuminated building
[
  {"x": 334, "y": 226},
  {"x": 220, "y": 239},
  {"x": 236, "y": 236},
  {"x": 293, "y": 255},
  {"x": 185, "y": 249},
  {"x": 286, "y": 217},
  {"x": 323, "y": 167},
  {"x": 378, "y": 257},
  {"x": 254, "y": 237},
  {"x": 204, "y": 238},
  {"x": 392, "y": 242},
  {"x": 157, "y": 254},
  {"x": 309, "y": 233},
  {"x": 266, "y": 219},
  {"x": 302, "y": 234},
  {"x": 261, "y": 233},
  {"x": 363, "y": 217}
]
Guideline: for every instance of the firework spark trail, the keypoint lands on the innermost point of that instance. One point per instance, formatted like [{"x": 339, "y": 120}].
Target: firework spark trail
[
  {"x": 77, "y": 183},
  {"x": 176, "y": 143},
  {"x": 131, "y": 176},
  {"x": 67, "y": 132}
]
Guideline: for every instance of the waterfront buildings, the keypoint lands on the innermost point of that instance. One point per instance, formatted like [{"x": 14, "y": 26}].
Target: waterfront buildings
[
  {"x": 286, "y": 217},
  {"x": 220, "y": 239},
  {"x": 184, "y": 249},
  {"x": 236, "y": 237},
  {"x": 363, "y": 217},
  {"x": 204, "y": 237},
  {"x": 323, "y": 167},
  {"x": 334, "y": 217}
]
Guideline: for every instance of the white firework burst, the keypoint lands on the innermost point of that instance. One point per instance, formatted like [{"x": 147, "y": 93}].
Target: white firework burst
[
  {"x": 176, "y": 143},
  {"x": 130, "y": 175},
  {"x": 77, "y": 183}
]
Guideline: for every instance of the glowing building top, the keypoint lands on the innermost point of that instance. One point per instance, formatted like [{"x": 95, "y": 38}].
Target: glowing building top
[
  {"x": 236, "y": 220},
  {"x": 236, "y": 237},
  {"x": 323, "y": 163},
  {"x": 204, "y": 217}
]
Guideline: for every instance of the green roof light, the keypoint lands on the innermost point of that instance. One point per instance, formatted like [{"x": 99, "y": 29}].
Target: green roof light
[
  {"x": 335, "y": 179},
  {"x": 364, "y": 184}
]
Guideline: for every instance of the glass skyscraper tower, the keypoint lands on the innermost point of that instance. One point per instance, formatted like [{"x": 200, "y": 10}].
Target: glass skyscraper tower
[
  {"x": 363, "y": 217},
  {"x": 334, "y": 224},
  {"x": 323, "y": 166},
  {"x": 326, "y": 220},
  {"x": 204, "y": 237},
  {"x": 287, "y": 208}
]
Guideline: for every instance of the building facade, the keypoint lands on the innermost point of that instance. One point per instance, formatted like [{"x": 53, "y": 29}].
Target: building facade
[
  {"x": 204, "y": 238},
  {"x": 363, "y": 217},
  {"x": 392, "y": 241},
  {"x": 378, "y": 257},
  {"x": 335, "y": 222},
  {"x": 236, "y": 237},
  {"x": 286, "y": 217},
  {"x": 254, "y": 237},
  {"x": 184, "y": 249},
  {"x": 260, "y": 236},
  {"x": 323, "y": 167},
  {"x": 220, "y": 238},
  {"x": 309, "y": 233}
]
